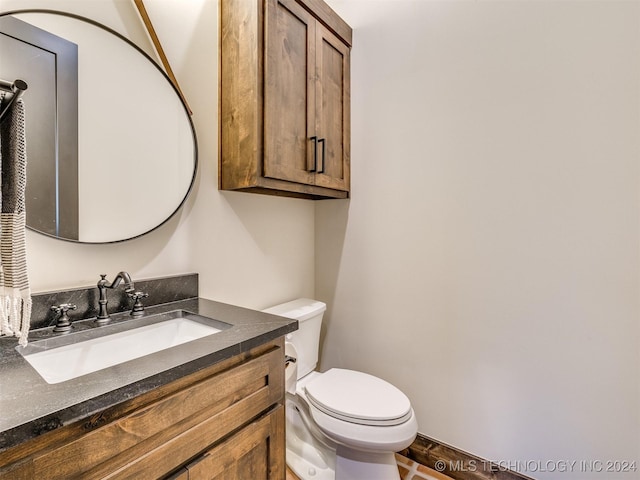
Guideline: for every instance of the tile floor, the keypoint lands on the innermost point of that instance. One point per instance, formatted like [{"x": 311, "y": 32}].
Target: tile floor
[{"x": 409, "y": 470}]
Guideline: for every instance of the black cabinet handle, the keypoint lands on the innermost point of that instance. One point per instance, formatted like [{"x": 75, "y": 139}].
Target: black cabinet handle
[
  {"x": 322, "y": 140},
  {"x": 314, "y": 139}
]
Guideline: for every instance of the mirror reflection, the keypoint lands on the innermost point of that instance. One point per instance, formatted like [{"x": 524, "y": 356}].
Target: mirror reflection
[{"x": 126, "y": 162}]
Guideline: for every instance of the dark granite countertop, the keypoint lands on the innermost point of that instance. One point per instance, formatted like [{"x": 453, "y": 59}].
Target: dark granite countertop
[{"x": 30, "y": 406}]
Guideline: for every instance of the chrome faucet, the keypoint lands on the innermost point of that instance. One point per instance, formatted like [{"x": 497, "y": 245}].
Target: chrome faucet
[{"x": 103, "y": 315}]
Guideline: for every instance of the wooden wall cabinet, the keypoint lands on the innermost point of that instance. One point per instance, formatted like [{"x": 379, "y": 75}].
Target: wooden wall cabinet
[
  {"x": 224, "y": 422},
  {"x": 284, "y": 98}
]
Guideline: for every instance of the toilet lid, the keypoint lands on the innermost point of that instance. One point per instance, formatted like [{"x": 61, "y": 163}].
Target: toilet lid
[{"x": 357, "y": 397}]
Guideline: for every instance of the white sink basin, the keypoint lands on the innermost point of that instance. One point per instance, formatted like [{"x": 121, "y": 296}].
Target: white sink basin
[{"x": 60, "y": 364}]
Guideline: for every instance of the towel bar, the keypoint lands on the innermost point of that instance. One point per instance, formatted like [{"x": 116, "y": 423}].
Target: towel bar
[{"x": 16, "y": 88}]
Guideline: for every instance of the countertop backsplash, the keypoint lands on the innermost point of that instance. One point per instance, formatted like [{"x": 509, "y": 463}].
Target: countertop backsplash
[{"x": 161, "y": 290}]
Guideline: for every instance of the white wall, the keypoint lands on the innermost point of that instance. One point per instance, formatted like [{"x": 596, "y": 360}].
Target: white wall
[
  {"x": 487, "y": 263},
  {"x": 250, "y": 250}
]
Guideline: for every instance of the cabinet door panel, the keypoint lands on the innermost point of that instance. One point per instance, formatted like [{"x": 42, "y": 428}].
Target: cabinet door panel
[
  {"x": 289, "y": 93},
  {"x": 256, "y": 453},
  {"x": 333, "y": 110}
]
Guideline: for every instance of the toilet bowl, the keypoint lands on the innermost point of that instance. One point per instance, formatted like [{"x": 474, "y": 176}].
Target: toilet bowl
[{"x": 341, "y": 424}]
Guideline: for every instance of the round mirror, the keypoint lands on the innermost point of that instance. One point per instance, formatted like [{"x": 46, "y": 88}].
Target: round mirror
[{"x": 111, "y": 147}]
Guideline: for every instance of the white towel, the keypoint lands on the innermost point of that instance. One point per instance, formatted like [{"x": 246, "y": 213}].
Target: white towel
[{"x": 15, "y": 294}]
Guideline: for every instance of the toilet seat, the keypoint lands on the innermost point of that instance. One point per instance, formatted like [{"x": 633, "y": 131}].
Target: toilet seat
[
  {"x": 359, "y": 398},
  {"x": 368, "y": 438}
]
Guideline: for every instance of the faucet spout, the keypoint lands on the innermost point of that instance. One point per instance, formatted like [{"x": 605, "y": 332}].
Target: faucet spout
[
  {"x": 123, "y": 277},
  {"x": 103, "y": 315}
]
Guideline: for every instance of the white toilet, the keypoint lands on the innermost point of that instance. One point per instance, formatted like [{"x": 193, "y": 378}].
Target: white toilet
[{"x": 341, "y": 424}]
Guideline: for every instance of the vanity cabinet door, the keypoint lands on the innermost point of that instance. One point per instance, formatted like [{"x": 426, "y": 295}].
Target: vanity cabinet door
[{"x": 255, "y": 452}]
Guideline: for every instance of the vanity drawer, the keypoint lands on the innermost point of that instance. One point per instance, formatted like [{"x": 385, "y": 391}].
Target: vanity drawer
[{"x": 161, "y": 436}]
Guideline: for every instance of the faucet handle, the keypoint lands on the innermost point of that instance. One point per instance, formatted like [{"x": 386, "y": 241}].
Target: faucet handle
[
  {"x": 63, "y": 324},
  {"x": 138, "y": 307},
  {"x": 63, "y": 307}
]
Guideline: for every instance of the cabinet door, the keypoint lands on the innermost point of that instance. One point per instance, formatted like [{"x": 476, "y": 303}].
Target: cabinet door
[
  {"x": 257, "y": 452},
  {"x": 289, "y": 92},
  {"x": 333, "y": 110}
]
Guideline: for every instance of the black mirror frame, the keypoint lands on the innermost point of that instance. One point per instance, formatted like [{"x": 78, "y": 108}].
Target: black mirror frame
[{"x": 163, "y": 73}]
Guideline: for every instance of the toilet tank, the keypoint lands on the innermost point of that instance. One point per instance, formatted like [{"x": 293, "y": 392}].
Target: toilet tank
[{"x": 305, "y": 340}]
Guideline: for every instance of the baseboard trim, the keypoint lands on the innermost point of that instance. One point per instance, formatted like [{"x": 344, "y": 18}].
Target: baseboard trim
[{"x": 456, "y": 463}]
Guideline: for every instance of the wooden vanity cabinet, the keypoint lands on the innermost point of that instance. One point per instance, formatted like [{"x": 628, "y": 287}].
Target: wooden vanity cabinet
[
  {"x": 224, "y": 422},
  {"x": 284, "y": 98}
]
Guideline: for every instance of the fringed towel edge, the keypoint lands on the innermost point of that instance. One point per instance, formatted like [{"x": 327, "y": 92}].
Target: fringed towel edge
[{"x": 15, "y": 314}]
